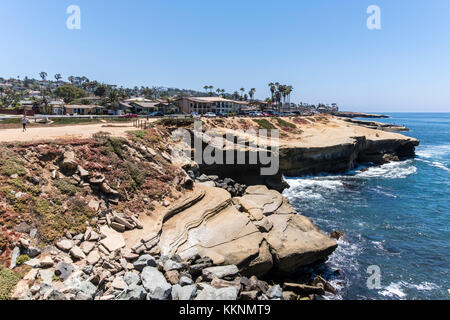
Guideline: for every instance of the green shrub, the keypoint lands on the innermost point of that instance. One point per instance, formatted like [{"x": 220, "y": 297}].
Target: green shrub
[
  {"x": 8, "y": 280},
  {"x": 54, "y": 221},
  {"x": 9, "y": 164},
  {"x": 177, "y": 122},
  {"x": 22, "y": 259},
  {"x": 65, "y": 186},
  {"x": 137, "y": 176},
  {"x": 138, "y": 135},
  {"x": 284, "y": 123},
  {"x": 264, "y": 124}
]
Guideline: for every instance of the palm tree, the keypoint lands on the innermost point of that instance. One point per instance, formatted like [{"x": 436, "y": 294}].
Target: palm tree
[
  {"x": 218, "y": 91},
  {"x": 43, "y": 75},
  {"x": 251, "y": 93},
  {"x": 288, "y": 92},
  {"x": 206, "y": 88},
  {"x": 242, "y": 93},
  {"x": 58, "y": 77}
]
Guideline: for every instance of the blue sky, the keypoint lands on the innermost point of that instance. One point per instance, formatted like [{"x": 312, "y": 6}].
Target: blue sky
[{"x": 320, "y": 47}]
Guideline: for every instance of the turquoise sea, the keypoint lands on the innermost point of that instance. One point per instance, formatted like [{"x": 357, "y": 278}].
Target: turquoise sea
[{"x": 394, "y": 216}]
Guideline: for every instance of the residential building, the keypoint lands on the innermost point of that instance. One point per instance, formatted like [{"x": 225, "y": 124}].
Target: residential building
[
  {"x": 82, "y": 109},
  {"x": 203, "y": 105}
]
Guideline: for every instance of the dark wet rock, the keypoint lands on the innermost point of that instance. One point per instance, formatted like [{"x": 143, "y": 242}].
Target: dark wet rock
[
  {"x": 337, "y": 234},
  {"x": 303, "y": 289}
]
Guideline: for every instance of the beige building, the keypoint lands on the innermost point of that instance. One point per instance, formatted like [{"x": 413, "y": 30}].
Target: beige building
[
  {"x": 82, "y": 109},
  {"x": 203, "y": 105}
]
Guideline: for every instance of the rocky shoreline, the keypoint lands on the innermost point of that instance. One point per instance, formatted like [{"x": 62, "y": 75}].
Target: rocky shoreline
[
  {"x": 121, "y": 219},
  {"x": 347, "y": 114}
]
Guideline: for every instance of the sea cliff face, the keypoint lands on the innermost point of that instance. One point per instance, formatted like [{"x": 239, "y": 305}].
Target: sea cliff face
[
  {"x": 297, "y": 161},
  {"x": 312, "y": 145}
]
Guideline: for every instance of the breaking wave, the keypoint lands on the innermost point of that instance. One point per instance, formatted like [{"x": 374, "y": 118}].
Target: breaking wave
[
  {"x": 392, "y": 170},
  {"x": 434, "y": 151}
]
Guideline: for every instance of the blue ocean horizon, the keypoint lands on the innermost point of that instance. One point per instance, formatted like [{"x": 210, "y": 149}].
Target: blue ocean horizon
[{"x": 395, "y": 216}]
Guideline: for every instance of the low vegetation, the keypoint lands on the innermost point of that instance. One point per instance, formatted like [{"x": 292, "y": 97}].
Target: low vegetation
[
  {"x": 65, "y": 186},
  {"x": 175, "y": 122},
  {"x": 264, "y": 124},
  {"x": 10, "y": 164},
  {"x": 8, "y": 280},
  {"x": 285, "y": 124}
]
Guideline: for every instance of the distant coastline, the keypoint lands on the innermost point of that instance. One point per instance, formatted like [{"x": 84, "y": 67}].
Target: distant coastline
[{"x": 351, "y": 114}]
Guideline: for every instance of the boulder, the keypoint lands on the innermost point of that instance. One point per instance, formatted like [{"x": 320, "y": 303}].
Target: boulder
[
  {"x": 93, "y": 257},
  {"x": 118, "y": 283},
  {"x": 46, "y": 262},
  {"x": 173, "y": 276},
  {"x": 220, "y": 283},
  {"x": 249, "y": 295},
  {"x": 77, "y": 253},
  {"x": 33, "y": 252},
  {"x": 210, "y": 293},
  {"x": 155, "y": 283},
  {"x": 295, "y": 242},
  {"x": 143, "y": 261},
  {"x": 133, "y": 292},
  {"x": 220, "y": 272},
  {"x": 64, "y": 270},
  {"x": 15, "y": 254},
  {"x": 46, "y": 276},
  {"x": 68, "y": 163},
  {"x": 184, "y": 281},
  {"x": 304, "y": 289},
  {"x": 54, "y": 295},
  {"x": 65, "y": 245},
  {"x": 184, "y": 293},
  {"x": 131, "y": 278},
  {"x": 172, "y": 265},
  {"x": 76, "y": 284},
  {"x": 87, "y": 246},
  {"x": 275, "y": 292},
  {"x": 113, "y": 240}
]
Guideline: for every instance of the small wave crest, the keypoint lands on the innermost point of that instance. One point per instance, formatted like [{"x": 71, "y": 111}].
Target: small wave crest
[
  {"x": 436, "y": 151},
  {"x": 310, "y": 188},
  {"x": 396, "y": 289},
  {"x": 391, "y": 170}
]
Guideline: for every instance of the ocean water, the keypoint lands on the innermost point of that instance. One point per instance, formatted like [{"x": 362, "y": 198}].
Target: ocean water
[{"x": 395, "y": 216}]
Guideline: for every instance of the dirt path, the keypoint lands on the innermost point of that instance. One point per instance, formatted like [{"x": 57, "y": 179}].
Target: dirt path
[{"x": 63, "y": 132}]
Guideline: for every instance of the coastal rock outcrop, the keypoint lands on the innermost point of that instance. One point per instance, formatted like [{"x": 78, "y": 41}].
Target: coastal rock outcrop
[{"x": 267, "y": 235}]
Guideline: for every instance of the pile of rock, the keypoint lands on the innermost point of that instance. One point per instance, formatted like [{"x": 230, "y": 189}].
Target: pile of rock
[
  {"x": 234, "y": 188},
  {"x": 120, "y": 222},
  {"x": 86, "y": 267}
]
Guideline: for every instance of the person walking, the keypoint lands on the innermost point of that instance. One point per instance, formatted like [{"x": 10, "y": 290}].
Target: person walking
[{"x": 24, "y": 123}]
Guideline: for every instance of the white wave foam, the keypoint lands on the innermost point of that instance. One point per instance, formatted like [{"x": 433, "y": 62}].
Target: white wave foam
[
  {"x": 394, "y": 289},
  {"x": 440, "y": 165},
  {"x": 436, "y": 164},
  {"x": 433, "y": 151},
  {"x": 392, "y": 170},
  {"x": 424, "y": 286},
  {"x": 310, "y": 188}
]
